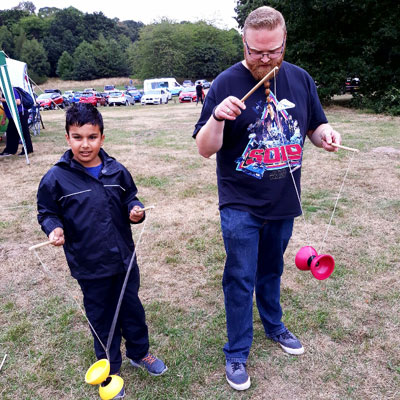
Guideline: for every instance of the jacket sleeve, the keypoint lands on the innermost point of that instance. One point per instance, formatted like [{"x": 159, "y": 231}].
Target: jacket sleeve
[
  {"x": 130, "y": 196},
  {"x": 49, "y": 215}
]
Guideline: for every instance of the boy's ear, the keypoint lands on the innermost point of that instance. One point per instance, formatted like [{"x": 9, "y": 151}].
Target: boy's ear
[
  {"x": 67, "y": 137},
  {"x": 103, "y": 136}
]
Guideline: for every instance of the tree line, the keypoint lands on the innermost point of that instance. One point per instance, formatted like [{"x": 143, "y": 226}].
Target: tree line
[
  {"x": 331, "y": 39},
  {"x": 335, "y": 39},
  {"x": 70, "y": 44}
]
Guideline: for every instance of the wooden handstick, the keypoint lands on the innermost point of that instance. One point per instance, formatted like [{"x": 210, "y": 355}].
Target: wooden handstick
[
  {"x": 36, "y": 246},
  {"x": 146, "y": 208},
  {"x": 339, "y": 146},
  {"x": 258, "y": 85}
]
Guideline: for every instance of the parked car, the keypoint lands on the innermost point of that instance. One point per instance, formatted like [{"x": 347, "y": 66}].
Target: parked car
[
  {"x": 89, "y": 90},
  {"x": 203, "y": 82},
  {"x": 120, "y": 98},
  {"x": 76, "y": 97},
  {"x": 188, "y": 94},
  {"x": 155, "y": 96},
  {"x": 93, "y": 98},
  {"x": 163, "y": 83},
  {"x": 52, "y": 91},
  {"x": 187, "y": 83},
  {"x": 136, "y": 94},
  {"x": 49, "y": 101},
  {"x": 105, "y": 95},
  {"x": 109, "y": 88},
  {"x": 351, "y": 85}
]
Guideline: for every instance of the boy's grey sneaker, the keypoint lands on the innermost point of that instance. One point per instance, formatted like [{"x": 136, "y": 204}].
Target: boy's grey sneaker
[
  {"x": 121, "y": 394},
  {"x": 288, "y": 342},
  {"x": 236, "y": 375},
  {"x": 152, "y": 364}
]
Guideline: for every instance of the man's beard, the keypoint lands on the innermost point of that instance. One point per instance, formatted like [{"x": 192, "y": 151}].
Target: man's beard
[{"x": 259, "y": 69}]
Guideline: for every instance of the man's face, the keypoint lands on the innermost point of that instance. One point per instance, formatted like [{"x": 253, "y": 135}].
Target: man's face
[
  {"x": 263, "y": 41},
  {"x": 85, "y": 142}
]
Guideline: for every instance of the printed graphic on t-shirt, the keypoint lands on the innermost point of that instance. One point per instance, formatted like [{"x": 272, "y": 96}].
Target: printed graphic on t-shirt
[{"x": 275, "y": 140}]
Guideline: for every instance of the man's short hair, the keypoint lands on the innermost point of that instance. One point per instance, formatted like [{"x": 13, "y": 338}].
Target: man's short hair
[
  {"x": 264, "y": 18},
  {"x": 80, "y": 114}
]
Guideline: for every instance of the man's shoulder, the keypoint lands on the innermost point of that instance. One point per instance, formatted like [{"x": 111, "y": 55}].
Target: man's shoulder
[
  {"x": 234, "y": 70},
  {"x": 294, "y": 69}
]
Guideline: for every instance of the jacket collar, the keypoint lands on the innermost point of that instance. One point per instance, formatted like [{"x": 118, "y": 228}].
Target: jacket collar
[{"x": 109, "y": 164}]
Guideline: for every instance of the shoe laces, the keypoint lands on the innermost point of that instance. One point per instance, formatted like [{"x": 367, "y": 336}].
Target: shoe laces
[
  {"x": 286, "y": 335},
  {"x": 236, "y": 366},
  {"x": 149, "y": 359}
]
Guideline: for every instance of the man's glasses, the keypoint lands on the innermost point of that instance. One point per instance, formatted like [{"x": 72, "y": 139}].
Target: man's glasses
[{"x": 258, "y": 55}]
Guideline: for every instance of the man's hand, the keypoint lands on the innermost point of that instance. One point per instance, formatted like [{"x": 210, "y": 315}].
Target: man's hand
[
  {"x": 57, "y": 237},
  {"x": 136, "y": 215},
  {"x": 324, "y": 136},
  {"x": 229, "y": 108}
]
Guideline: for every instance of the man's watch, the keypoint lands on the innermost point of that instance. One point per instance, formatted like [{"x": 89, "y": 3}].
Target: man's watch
[{"x": 215, "y": 117}]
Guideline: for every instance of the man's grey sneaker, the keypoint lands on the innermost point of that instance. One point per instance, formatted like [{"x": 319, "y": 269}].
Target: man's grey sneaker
[
  {"x": 152, "y": 364},
  {"x": 288, "y": 342},
  {"x": 236, "y": 375}
]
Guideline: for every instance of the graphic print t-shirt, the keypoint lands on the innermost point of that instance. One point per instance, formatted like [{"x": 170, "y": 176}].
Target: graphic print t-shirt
[{"x": 260, "y": 145}]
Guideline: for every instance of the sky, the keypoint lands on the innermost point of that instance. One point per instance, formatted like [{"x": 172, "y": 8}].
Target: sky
[{"x": 218, "y": 12}]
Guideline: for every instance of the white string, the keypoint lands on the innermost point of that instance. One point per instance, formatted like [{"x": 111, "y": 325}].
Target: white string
[
  {"x": 336, "y": 202},
  {"x": 47, "y": 270},
  {"x": 297, "y": 192}
]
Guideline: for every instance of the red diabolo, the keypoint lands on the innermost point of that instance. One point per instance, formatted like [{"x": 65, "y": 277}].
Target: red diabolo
[{"x": 321, "y": 266}]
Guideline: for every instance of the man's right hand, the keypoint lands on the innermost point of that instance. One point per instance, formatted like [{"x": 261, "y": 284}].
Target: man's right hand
[
  {"x": 57, "y": 237},
  {"x": 229, "y": 108}
]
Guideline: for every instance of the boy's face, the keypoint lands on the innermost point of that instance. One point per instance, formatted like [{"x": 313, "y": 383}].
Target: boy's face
[{"x": 85, "y": 142}]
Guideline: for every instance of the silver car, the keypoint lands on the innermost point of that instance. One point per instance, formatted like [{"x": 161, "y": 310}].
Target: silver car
[{"x": 120, "y": 98}]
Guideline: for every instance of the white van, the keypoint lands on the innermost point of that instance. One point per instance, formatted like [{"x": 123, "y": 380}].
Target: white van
[{"x": 169, "y": 83}]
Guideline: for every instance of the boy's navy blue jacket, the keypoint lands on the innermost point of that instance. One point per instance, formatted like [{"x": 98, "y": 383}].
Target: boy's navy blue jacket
[{"x": 94, "y": 214}]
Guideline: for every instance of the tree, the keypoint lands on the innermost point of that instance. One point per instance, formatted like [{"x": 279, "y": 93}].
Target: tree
[
  {"x": 6, "y": 41},
  {"x": 333, "y": 39},
  {"x": 26, "y": 6},
  {"x": 84, "y": 65},
  {"x": 184, "y": 50},
  {"x": 35, "y": 56},
  {"x": 65, "y": 66},
  {"x": 65, "y": 34}
]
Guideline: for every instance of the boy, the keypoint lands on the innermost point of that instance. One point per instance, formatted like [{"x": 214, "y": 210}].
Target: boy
[{"x": 86, "y": 202}]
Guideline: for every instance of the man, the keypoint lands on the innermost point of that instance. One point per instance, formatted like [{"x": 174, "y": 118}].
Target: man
[
  {"x": 259, "y": 154},
  {"x": 199, "y": 93},
  {"x": 12, "y": 132}
]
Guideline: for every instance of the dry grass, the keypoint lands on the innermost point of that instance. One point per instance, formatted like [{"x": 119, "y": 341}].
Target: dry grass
[{"x": 349, "y": 323}]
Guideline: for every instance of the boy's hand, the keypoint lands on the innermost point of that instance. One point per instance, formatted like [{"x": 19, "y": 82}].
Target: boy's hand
[
  {"x": 57, "y": 237},
  {"x": 136, "y": 215}
]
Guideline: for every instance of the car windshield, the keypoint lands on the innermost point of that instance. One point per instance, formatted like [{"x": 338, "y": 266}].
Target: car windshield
[
  {"x": 190, "y": 89},
  {"x": 154, "y": 92},
  {"x": 87, "y": 94},
  {"x": 45, "y": 96},
  {"x": 115, "y": 94}
]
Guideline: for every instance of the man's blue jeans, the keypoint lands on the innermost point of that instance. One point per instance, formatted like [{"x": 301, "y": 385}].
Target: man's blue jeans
[{"x": 254, "y": 249}]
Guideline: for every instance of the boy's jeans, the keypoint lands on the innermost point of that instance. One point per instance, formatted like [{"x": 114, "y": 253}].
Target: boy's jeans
[{"x": 254, "y": 249}]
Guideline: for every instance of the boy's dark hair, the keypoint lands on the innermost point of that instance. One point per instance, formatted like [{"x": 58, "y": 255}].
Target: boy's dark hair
[{"x": 80, "y": 114}]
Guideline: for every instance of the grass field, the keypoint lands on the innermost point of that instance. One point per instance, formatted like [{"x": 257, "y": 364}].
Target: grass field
[{"x": 349, "y": 323}]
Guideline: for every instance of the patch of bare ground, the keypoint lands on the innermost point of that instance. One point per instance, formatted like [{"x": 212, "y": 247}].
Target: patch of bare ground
[{"x": 348, "y": 323}]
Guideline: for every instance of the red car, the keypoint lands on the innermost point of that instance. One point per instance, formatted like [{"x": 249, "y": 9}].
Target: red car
[
  {"x": 50, "y": 101},
  {"x": 188, "y": 94},
  {"x": 93, "y": 98}
]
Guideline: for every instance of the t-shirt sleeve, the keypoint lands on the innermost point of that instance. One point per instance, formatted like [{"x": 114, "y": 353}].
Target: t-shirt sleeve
[
  {"x": 317, "y": 114},
  {"x": 208, "y": 106}
]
